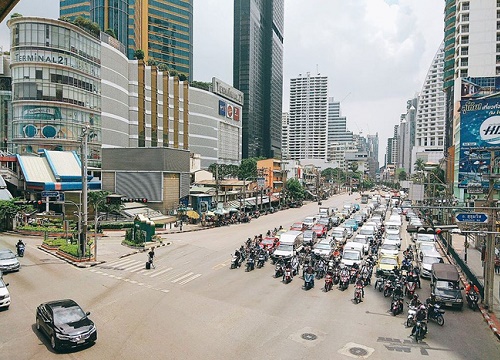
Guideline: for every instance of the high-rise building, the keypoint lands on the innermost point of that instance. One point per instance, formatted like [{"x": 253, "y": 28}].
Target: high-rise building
[
  {"x": 430, "y": 121},
  {"x": 308, "y": 134},
  {"x": 258, "y": 73},
  {"x": 471, "y": 70},
  {"x": 337, "y": 124},
  {"x": 163, "y": 29},
  {"x": 285, "y": 122},
  {"x": 406, "y": 139}
]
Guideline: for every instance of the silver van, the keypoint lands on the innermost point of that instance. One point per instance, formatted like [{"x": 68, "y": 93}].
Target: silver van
[{"x": 290, "y": 242}]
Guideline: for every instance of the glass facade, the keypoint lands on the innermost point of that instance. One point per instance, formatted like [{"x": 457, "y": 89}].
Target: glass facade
[
  {"x": 258, "y": 73},
  {"x": 56, "y": 87},
  {"x": 167, "y": 37}
]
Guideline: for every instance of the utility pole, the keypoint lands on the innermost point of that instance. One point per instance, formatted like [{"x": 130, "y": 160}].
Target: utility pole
[
  {"x": 489, "y": 272},
  {"x": 83, "y": 240}
]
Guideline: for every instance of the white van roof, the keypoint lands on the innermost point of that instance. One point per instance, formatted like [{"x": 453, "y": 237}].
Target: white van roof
[{"x": 289, "y": 237}]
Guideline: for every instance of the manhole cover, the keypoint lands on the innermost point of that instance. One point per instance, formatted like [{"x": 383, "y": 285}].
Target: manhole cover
[
  {"x": 308, "y": 336},
  {"x": 358, "y": 351}
]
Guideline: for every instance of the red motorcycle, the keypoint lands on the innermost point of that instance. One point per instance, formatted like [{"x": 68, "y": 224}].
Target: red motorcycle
[
  {"x": 358, "y": 292},
  {"x": 328, "y": 282},
  {"x": 410, "y": 288},
  {"x": 288, "y": 275}
]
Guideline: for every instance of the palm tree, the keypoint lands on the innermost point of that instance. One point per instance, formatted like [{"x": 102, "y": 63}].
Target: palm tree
[{"x": 419, "y": 168}]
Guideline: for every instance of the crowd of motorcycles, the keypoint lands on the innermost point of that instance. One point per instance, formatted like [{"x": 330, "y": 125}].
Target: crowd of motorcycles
[{"x": 398, "y": 284}]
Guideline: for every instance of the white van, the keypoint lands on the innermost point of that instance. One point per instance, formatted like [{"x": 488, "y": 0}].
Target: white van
[
  {"x": 290, "y": 242},
  {"x": 351, "y": 255}
]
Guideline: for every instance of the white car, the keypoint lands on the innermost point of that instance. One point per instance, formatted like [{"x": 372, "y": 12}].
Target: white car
[
  {"x": 393, "y": 237},
  {"x": 8, "y": 261},
  {"x": 363, "y": 240},
  {"x": 426, "y": 264},
  {"x": 426, "y": 247},
  {"x": 309, "y": 222},
  {"x": 424, "y": 238},
  {"x": 323, "y": 248},
  {"x": 4, "y": 295},
  {"x": 389, "y": 248}
]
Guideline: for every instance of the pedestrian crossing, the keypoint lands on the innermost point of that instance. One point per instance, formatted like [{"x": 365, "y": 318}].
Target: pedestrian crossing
[{"x": 132, "y": 266}]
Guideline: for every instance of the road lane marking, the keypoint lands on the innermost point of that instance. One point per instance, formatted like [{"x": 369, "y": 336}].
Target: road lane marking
[
  {"x": 160, "y": 272},
  {"x": 184, "y": 282},
  {"x": 182, "y": 277},
  {"x": 136, "y": 268}
]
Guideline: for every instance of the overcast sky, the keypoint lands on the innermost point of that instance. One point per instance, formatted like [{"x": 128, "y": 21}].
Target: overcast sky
[{"x": 376, "y": 53}]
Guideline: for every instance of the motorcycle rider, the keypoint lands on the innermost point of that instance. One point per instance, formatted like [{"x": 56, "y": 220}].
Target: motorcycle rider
[
  {"x": 360, "y": 283},
  {"x": 430, "y": 301},
  {"x": 19, "y": 244},
  {"x": 470, "y": 286},
  {"x": 398, "y": 292},
  {"x": 237, "y": 254},
  {"x": 288, "y": 267},
  {"x": 421, "y": 316},
  {"x": 415, "y": 301},
  {"x": 310, "y": 271}
]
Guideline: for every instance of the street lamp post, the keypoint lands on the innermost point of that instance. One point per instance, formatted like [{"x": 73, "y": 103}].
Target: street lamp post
[{"x": 84, "y": 139}]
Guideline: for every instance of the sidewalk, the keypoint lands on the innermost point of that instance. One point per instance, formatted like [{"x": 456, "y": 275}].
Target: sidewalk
[{"x": 476, "y": 266}]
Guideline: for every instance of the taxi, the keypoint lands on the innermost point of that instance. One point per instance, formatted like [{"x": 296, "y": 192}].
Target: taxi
[{"x": 386, "y": 264}]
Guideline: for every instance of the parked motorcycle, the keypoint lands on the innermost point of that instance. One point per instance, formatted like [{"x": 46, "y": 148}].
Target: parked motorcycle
[
  {"x": 435, "y": 313},
  {"x": 308, "y": 281},
  {"x": 358, "y": 293},
  {"x": 472, "y": 299},
  {"x": 328, "y": 282}
]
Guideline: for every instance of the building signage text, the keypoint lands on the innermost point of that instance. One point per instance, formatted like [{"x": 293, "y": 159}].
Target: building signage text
[{"x": 219, "y": 87}]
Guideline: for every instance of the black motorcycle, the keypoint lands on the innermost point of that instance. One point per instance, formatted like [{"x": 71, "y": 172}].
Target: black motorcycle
[
  {"x": 472, "y": 299},
  {"x": 396, "y": 305},
  {"x": 250, "y": 264},
  {"x": 308, "y": 281},
  {"x": 279, "y": 269},
  {"x": 261, "y": 260},
  {"x": 420, "y": 330}
]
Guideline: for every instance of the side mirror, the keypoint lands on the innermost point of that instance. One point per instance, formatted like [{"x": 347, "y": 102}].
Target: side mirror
[
  {"x": 7, "y": 284},
  {"x": 87, "y": 313}
]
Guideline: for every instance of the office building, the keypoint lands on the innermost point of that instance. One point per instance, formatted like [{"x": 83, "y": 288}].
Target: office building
[
  {"x": 337, "y": 124},
  {"x": 163, "y": 29},
  {"x": 258, "y": 73},
  {"x": 285, "y": 123}
]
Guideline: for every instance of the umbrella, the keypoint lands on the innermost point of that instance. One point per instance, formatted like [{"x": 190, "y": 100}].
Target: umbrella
[
  {"x": 209, "y": 213},
  {"x": 192, "y": 214}
]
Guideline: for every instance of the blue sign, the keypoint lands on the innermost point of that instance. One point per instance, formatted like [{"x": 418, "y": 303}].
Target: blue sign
[
  {"x": 222, "y": 108},
  {"x": 472, "y": 217},
  {"x": 50, "y": 194}
]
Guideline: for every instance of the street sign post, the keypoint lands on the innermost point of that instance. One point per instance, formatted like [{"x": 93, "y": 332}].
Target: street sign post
[{"x": 472, "y": 217}]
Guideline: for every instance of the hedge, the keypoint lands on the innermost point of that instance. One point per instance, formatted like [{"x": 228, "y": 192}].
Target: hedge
[
  {"x": 56, "y": 242},
  {"x": 72, "y": 249}
]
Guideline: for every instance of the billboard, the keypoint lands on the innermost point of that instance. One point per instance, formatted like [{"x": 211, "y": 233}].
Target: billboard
[
  {"x": 479, "y": 131},
  {"x": 229, "y": 111}
]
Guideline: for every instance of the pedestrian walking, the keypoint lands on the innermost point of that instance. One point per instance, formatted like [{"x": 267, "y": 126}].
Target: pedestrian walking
[
  {"x": 497, "y": 265},
  {"x": 151, "y": 255}
]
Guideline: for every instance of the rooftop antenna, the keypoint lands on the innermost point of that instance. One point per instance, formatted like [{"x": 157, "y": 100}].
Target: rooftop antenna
[{"x": 317, "y": 69}]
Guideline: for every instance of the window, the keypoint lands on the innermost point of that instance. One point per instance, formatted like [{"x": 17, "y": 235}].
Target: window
[{"x": 38, "y": 74}]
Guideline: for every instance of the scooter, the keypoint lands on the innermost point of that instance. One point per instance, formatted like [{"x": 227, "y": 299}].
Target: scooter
[
  {"x": 410, "y": 288},
  {"x": 250, "y": 264},
  {"x": 20, "y": 250},
  {"x": 308, "y": 281},
  {"x": 261, "y": 260},
  {"x": 396, "y": 306},
  {"x": 278, "y": 270},
  {"x": 344, "y": 280},
  {"x": 412, "y": 313},
  {"x": 235, "y": 262}
]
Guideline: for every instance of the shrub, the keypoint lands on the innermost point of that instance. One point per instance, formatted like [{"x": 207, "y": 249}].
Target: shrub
[
  {"x": 52, "y": 229},
  {"x": 56, "y": 242},
  {"x": 72, "y": 249}
]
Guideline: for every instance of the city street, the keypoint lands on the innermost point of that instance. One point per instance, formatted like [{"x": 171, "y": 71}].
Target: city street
[{"x": 192, "y": 306}]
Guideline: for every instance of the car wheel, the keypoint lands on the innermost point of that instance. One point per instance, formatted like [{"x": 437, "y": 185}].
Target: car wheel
[{"x": 53, "y": 342}]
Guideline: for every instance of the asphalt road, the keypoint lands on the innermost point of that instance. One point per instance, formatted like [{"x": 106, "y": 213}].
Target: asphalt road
[{"x": 192, "y": 306}]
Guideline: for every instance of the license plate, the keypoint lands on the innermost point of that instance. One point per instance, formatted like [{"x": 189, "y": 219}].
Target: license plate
[
  {"x": 448, "y": 304},
  {"x": 80, "y": 341}
]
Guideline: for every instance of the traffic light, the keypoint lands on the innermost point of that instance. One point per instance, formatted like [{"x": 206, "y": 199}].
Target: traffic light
[{"x": 428, "y": 230}]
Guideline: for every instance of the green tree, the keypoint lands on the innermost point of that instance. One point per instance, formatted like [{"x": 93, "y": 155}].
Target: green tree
[
  {"x": 402, "y": 175},
  {"x": 98, "y": 201},
  {"x": 139, "y": 54},
  {"x": 152, "y": 62},
  {"x": 295, "y": 189},
  {"x": 223, "y": 170},
  {"x": 15, "y": 15},
  {"x": 200, "y": 85},
  {"x": 9, "y": 209},
  {"x": 86, "y": 24},
  {"x": 248, "y": 168}
]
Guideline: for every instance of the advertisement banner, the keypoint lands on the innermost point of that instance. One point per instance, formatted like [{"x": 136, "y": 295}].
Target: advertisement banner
[
  {"x": 479, "y": 131},
  {"x": 222, "y": 108}
]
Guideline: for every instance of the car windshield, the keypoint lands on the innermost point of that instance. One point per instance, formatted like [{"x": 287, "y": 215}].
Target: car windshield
[
  {"x": 337, "y": 234},
  {"x": 447, "y": 285},
  {"x": 360, "y": 240},
  {"x": 285, "y": 247},
  {"x": 351, "y": 255},
  {"x": 322, "y": 246},
  {"x": 425, "y": 247},
  {"x": 431, "y": 260},
  {"x": 392, "y": 236},
  {"x": 308, "y": 234},
  {"x": 388, "y": 261},
  {"x": 68, "y": 315},
  {"x": 4, "y": 255},
  {"x": 366, "y": 232},
  {"x": 389, "y": 247},
  {"x": 2, "y": 284},
  {"x": 425, "y": 237}
]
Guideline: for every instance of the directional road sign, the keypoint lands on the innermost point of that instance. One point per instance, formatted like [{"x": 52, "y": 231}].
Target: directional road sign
[
  {"x": 50, "y": 193},
  {"x": 472, "y": 217}
]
